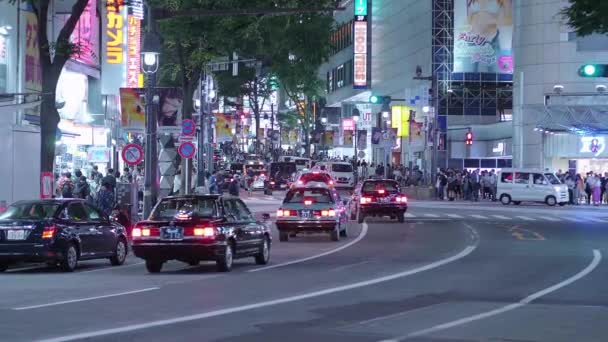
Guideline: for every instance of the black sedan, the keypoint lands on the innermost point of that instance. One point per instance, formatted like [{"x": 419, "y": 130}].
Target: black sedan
[
  {"x": 201, "y": 227},
  {"x": 380, "y": 197},
  {"x": 59, "y": 232}
]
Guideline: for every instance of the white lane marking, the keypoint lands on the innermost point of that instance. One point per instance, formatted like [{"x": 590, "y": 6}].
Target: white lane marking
[
  {"x": 454, "y": 216},
  {"x": 479, "y": 217},
  {"x": 335, "y": 250},
  {"x": 38, "y": 267},
  {"x": 430, "y": 215},
  {"x": 549, "y": 218},
  {"x": 222, "y": 312},
  {"x": 85, "y": 299},
  {"x": 501, "y": 217},
  {"x": 572, "y": 219},
  {"x": 525, "y": 218},
  {"x": 597, "y": 257},
  {"x": 409, "y": 215},
  {"x": 595, "y": 219},
  {"x": 112, "y": 268}
]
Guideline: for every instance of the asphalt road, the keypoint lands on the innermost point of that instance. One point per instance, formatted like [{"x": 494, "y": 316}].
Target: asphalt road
[{"x": 451, "y": 272}]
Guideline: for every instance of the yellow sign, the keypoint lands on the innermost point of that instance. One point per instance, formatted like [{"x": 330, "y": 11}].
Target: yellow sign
[
  {"x": 115, "y": 40},
  {"x": 400, "y": 119}
]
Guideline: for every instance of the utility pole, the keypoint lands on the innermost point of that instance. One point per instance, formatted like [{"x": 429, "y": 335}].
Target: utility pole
[{"x": 434, "y": 131}]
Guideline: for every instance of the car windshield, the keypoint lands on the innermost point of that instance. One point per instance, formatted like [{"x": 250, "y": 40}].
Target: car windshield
[
  {"x": 301, "y": 161},
  {"x": 388, "y": 186},
  {"x": 169, "y": 208},
  {"x": 552, "y": 178},
  {"x": 315, "y": 177},
  {"x": 236, "y": 167},
  {"x": 342, "y": 168},
  {"x": 30, "y": 211},
  {"x": 313, "y": 195}
]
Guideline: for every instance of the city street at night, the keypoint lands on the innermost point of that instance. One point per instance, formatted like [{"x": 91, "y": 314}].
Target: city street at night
[{"x": 462, "y": 275}]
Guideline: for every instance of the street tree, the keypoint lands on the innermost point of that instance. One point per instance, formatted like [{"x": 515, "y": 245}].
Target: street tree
[
  {"x": 587, "y": 16},
  {"x": 54, "y": 53}
]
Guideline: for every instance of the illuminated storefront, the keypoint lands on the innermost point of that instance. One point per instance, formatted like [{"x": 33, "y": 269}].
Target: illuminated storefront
[{"x": 576, "y": 153}]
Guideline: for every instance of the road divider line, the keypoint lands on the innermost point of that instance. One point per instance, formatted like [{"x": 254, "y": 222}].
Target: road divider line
[
  {"x": 112, "y": 268},
  {"x": 222, "y": 312},
  {"x": 479, "y": 217},
  {"x": 549, "y": 218},
  {"x": 525, "y": 218},
  {"x": 409, "y": 215},
  {"x": 501, "y": 217},
  {"x": 431, "y": 215},
  {"x": 454, "y": 216},
  {"x": 597, "y": 257},
  {"x": 85, "y": 299},
  {"x": 335, "y": 250}
]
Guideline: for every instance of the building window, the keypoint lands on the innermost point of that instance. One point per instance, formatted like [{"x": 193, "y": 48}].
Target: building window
[
  {"x": 340, "y": 76},
  {"x": 342, "y": 37}
]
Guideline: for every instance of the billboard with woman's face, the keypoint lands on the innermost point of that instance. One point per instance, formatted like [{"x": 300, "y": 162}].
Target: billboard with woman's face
[{"x": 483, "y": 32}]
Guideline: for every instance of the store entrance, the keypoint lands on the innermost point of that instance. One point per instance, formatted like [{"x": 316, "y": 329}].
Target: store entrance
[{"x": 595, "y": 165}]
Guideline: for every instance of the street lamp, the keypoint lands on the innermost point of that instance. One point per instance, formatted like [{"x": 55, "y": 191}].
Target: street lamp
[
  {"x": 150, "y": 53},
  {"x": 323, "y": 121}
]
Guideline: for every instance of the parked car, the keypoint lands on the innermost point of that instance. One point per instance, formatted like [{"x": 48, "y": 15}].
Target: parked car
[
  {"x": 312, "y": 209},
  {"x": 61, "y": 232},
  {"x": 194, "y": 228},
  {"x": 533, "y": 185},
  {"x": 380, "y": 197}
]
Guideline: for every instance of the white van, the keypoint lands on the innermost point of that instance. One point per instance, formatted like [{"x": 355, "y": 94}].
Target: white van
[
  {"x": 530, "y": 185},
  {"x": 342, "y": 172}
]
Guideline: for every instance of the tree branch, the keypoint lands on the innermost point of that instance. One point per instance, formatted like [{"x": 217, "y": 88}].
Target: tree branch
[
  {"x": 43, "y": 40},
  {"x": 66, "y": 31}
]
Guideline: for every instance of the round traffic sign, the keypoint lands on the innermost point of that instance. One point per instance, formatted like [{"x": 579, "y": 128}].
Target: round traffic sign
[
  {"x": 132, "y": 154},
  {"x": 186, "y": 150},
  {"x": 361, "y": 154},
  {"x": 188, "y": 127}
]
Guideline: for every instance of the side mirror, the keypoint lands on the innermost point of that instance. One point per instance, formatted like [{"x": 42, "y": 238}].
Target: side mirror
[{"x": 265, "y": 216}]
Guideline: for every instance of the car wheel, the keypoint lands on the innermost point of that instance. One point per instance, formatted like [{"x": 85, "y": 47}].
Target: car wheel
[
  {"x": 154, "y": 266},
  {"x": 224, "y": 263},
  {"x": 517, "y": 202},
  {"x": 283, "y": 236},
  {"x": 505, "y": 199},
  {"x": 3, "y": 266},
  {"x": 335, "y": 234},
  {"x": 401, "y": 217},
  {"x": 264, "y": 255},
  {"x": 551, "y": 201},
  {"x": 120, "y": 253},
  {"x": 360, "y": 217},
  {"x": 70, "y": 258}
]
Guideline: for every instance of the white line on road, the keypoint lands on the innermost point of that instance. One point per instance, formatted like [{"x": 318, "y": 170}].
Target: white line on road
[
  {"x": 525, "y": 218},
  {"x": 112, "y": 268},
  {"x": 297, "y": 261},
  {"x": 501, "y": 217},
  {"x": 595, "y": 219},
  {"x": 479, "y": 217},
  {"x": 29, "y": 268},
  {"x": 409, "y": 215},
  {"x": 431, "y": 215},
  {"x": 454, "y": 216},
  {"x": 85, "y": 299},
  {"x": 549, "y": 218},
  {"x": 572, "y": 219},
  {"x": 222, "y": 312},
  {"x": 597, "y": 257}
]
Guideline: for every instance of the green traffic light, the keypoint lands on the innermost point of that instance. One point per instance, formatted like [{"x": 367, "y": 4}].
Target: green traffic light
[
  {"x": 589, "y": 69},
  {"x": 373, "y": 99}
]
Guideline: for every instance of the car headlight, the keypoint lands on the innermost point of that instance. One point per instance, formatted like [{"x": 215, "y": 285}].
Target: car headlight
[{"x": 557, "y": 188}]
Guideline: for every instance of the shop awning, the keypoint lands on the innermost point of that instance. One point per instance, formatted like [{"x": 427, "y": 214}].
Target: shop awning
[{"x": 582, "y": 119}]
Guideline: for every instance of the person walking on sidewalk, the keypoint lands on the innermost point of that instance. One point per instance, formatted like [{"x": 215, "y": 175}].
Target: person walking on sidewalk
[
  {"x": 579, "y": 189},
  {"x": 492, "y": 185},
  {"x": 597, "y": 189}
]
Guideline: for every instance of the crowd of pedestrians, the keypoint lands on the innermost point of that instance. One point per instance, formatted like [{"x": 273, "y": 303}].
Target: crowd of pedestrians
[{"x": 467, "y": 185}]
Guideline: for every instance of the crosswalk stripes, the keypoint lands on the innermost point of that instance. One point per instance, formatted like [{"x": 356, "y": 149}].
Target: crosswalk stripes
[
  {"x": 431, "y": 215},
  {"x": 479, "y": 217},
  {"x": 500, "y": 217},
  {"x": 454, "y": 216},
  {"x": 525, "y": 218}
]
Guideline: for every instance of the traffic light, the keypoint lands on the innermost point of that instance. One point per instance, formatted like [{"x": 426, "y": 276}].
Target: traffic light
[
  {"x": 468, "y": 138},
  {"x": 377, "y": 99},
  {"x": 593, "y": 70}
]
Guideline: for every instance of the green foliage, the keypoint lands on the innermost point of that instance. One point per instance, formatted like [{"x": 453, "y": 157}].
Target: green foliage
[{"x": 587, "y": 16}]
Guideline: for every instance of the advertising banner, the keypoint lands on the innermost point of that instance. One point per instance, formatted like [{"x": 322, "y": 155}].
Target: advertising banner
[
  {"x": 293, "y": 137},
  {"x": 132, "y": 110},
  {"x": 348, "y": 138},
  {"x": 33, "y": 71},
  {"x": 285, "y": 137},
  {"x": 133, "y": 53},
  {"x": 376, "y": 135},
  {"x": 113, "y": 46},
  {"x": 223, "y": 127},
  {"x": 170, "y": 113},
  {"x": 400, "y": 117},
  {"x": 362, "y": 139},
  {"x": 483, "y": 33},
  {"x": 85, "y": 35}
]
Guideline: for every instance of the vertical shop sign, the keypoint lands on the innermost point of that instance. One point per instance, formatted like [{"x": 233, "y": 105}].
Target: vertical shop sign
[
  {"x": 84, "y": 35},
  {"x": 114, "y": 47},
  {"x": 33, "y": 72},
  {"x": 133, "y": 54},
  {"x": 360, "y": 63}
]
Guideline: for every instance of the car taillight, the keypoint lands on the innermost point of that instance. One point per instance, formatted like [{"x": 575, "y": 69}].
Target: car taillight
[
  {"x": 204, "y": 231},
  {"x": 326, "y": 213},
  {"x": 49, "y": 232},
  {"x": 300, "y": 182},
  {"x": 331, "y": 182},
  {"x": 401, "y": 199},
  {"x": 285, "y": 213},
  {"x": 145, "y": 232},
  {"x": 307, "y": 202},
  {"x": 136, "y": 232},
  {"x": 381, "y": 191},
  {"x": 271, "y": 183},
  {"x": 365, "y": 200}
]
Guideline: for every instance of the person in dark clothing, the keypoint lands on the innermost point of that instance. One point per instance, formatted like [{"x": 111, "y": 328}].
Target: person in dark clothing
[
  {"x": 105, "y": 200},
  {"x": 233, "y": 188},
  {"x": 82, "y": 189},
  {"x": 109, "y": 180},
  {"x": 67, "y": 186}
]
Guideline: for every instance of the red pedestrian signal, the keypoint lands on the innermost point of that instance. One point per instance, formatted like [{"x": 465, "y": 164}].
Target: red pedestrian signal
[{"x": 469, "y": 138}]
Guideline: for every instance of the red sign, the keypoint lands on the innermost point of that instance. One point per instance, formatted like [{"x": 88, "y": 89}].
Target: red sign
[
  {"x": 186, "y": 150},
  {"x": 132, "y": 154},
  {"x": 360, "y": 57},
  {"x": 46, "y": 185},
  {"x": 348, "y": 125},
  {"x": 133, "y": 52},
  {"x": 84, "y": 35}
]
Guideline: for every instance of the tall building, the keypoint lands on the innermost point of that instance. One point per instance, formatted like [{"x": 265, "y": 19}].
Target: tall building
[
  {"x": 410, "y": 46},
  {"x": 559, "y": 117}
]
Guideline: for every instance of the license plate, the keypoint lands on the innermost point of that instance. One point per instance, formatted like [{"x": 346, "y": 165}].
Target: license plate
[
  {"x": 306, "y": 214},
  {"x": 15, "y": 234},
  {"x": 172, "y": 233},
  {"x": 383, "y": 199}
]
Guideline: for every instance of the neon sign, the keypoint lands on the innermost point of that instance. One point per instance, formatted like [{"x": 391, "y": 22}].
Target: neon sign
[{"x": 594, "y": 145}]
